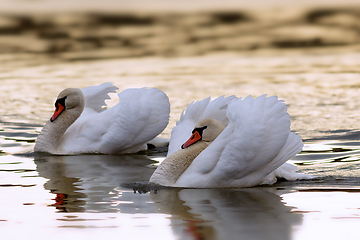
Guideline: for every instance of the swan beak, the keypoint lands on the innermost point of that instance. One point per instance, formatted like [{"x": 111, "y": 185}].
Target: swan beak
[
  {"x": 195, "y": 137},
  {"x": 59, "y": 109}
]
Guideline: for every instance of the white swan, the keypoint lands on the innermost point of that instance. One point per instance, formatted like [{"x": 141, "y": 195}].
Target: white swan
[
  {"x": 80, "y": 124},
  {"x": 237, "y": 143}
]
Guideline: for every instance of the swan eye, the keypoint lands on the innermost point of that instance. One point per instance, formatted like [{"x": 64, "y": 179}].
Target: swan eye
[
  {"x": 199, "y": 130},
  {"x": 60, "y": 101}
]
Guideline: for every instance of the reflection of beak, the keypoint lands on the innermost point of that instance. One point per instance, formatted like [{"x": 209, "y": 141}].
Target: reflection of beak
[
  {"x": 194, "y": 228},
  {"x": 195, "y": 137},
  {"x": 59, "y": 109},
  {"x": 60, "y": 199}
]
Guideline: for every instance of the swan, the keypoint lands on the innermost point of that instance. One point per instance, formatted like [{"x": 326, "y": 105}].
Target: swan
[
  {"x": 235, "y": 142},
  {"x": 81, "y": 124}
]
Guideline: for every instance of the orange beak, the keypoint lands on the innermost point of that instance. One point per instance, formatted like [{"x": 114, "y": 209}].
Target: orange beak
[
  {"x": 59, "y": 109},
  {"x": 195, "y": 137}
]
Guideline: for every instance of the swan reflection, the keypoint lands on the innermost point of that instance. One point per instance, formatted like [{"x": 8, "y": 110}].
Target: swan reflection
[
  {"x": 88, "y": 182},
  {"x": 95, "y": 183},
  {"x": 252, "y": 213}
]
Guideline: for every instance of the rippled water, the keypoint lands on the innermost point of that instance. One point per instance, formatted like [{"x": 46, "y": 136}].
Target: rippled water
[{"x": 92, "y": 196}]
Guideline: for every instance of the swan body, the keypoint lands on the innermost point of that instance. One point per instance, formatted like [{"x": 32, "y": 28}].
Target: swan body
[
  {"x": 246, "y": 142},
  {"x": 81, "y": 124}
]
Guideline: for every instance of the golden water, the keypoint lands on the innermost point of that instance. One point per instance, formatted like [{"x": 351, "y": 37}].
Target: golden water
[{"x": 323, "y": 101}]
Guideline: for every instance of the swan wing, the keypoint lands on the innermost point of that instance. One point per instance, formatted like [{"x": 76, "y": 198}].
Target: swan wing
[
  {"x": 194, "y": 113},
  {"x": 95, "y": 96},
  {"x": 140, "y": 116},
  {"x": 256, "y": 141}
]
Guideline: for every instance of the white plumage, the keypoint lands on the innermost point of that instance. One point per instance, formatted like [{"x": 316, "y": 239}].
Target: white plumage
[
  {"x": 140, "y": 116},
  {"x": 251, "y": 150}
]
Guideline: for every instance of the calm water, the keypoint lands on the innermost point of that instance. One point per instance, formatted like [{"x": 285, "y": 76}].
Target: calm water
[{"x": 89, "y": 196}]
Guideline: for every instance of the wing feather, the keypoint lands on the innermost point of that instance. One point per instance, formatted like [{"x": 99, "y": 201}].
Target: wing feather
[
  {"x": 140, "y": 116},
  {"x": 95, "y": 96}
]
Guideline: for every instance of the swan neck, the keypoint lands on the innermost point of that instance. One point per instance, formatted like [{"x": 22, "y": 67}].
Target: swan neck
[
  {"x": 169, "y": 171},
  {"x": 50, "y": 136}
]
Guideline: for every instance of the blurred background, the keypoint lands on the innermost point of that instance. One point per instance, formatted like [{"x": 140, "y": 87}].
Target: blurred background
[{"x": 90, "y": 29}]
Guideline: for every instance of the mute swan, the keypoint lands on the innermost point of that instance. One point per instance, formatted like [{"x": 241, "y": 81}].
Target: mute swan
[
  {"x": 80, "y": 124},
  {"x": 236, "y": 143}
]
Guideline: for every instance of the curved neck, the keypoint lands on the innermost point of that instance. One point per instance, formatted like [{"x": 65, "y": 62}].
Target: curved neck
[
  {"x": 169, "y": 171},
  {"x": 50, "y": 136}
]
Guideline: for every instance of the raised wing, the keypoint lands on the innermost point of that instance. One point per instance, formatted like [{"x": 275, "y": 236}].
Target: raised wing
[
  {"x": 140, "y": 116},
  {"x": 256, "y": 141},
  {"x": 95, "y": 96},
  {"x": 194, "y": 113}
]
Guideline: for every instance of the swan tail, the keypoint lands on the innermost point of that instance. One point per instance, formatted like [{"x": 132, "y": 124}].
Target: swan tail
[{"x": 287, "y": 171}]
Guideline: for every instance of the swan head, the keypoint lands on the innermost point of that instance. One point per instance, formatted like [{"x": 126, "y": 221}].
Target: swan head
[
  {"x": 206, "y": 130},
  {"x": 68, "y": 99}
]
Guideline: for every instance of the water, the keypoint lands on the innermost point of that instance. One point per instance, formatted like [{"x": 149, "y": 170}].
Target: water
[
  {"x": 100, "y": 196},
  {"x": 85, "y": 196}
]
